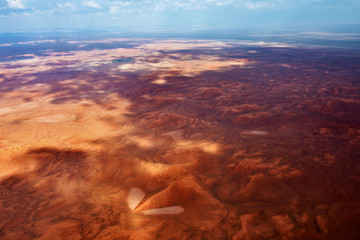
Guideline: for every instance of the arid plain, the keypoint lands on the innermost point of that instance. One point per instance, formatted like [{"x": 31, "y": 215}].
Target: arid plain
[{"x": 179, "y": 139}]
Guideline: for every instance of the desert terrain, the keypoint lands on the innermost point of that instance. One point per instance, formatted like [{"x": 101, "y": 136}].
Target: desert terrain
[{"x": 178, "y": 139}]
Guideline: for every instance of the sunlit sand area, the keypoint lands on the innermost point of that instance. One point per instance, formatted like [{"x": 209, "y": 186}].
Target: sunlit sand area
[{"x": 175, "y": 139}]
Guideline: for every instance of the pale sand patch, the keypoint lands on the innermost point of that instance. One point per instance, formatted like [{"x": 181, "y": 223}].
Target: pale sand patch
[
  {"x": 16, "y": 107},
  {"x": 6, "y": 110},
  {"x": 136, "y": 195},
  {"x": 159, "y": 81},
  {"x": 184, "y": 66},
  {"x": 177, "y": 135},
  {"x": 149, "y": 141},
  {"x": 165, "y": 210},
  {"x": 56, "y": 118},
  {"x": 80, "y": 59},
  {"x": 208, "y": 147},
  {"x": 255, "y": 132}
]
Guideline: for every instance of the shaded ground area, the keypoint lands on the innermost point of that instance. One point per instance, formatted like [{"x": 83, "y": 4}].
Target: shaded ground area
[{"x": 172, "y": 139}]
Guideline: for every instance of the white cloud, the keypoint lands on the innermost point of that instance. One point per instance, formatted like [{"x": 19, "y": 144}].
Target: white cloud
[
  {"x": 91, "y": 4},
  {"x": 15, "y": 4},
  {"x": 114, "y": 9},
  {"x": 257, "y": 5},
  {"x": 122, "y": 3},
  {"x": 220, "y": 2},
  {"x": 125, "y": 6},
  {"x": 65, "y": 5}
]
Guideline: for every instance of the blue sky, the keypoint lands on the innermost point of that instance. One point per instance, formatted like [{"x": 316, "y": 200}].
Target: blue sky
[{"x": 177, "y": 15}]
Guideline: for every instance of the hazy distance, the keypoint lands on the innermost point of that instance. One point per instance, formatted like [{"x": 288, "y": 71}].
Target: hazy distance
[{"x": 180, "y": 16}]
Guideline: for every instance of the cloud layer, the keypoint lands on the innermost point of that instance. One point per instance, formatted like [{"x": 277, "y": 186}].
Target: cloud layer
[
  {"x": 159, "y": 5},
  {"x": 172, "y": 14}
]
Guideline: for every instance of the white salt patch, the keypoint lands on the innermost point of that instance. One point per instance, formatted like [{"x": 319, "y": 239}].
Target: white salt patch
[
  {"x": 136, "y": 195},
  {"x": 165, "y": 210}
]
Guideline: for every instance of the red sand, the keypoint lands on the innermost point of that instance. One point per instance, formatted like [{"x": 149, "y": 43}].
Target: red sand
[{"x": 228, "y": 148}]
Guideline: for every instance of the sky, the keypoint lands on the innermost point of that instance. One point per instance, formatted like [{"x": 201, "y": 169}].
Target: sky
[{"x": 177, "y": 15}]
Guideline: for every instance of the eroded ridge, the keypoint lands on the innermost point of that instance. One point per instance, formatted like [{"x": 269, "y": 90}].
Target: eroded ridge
[{"x": 172, "y": 139}]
